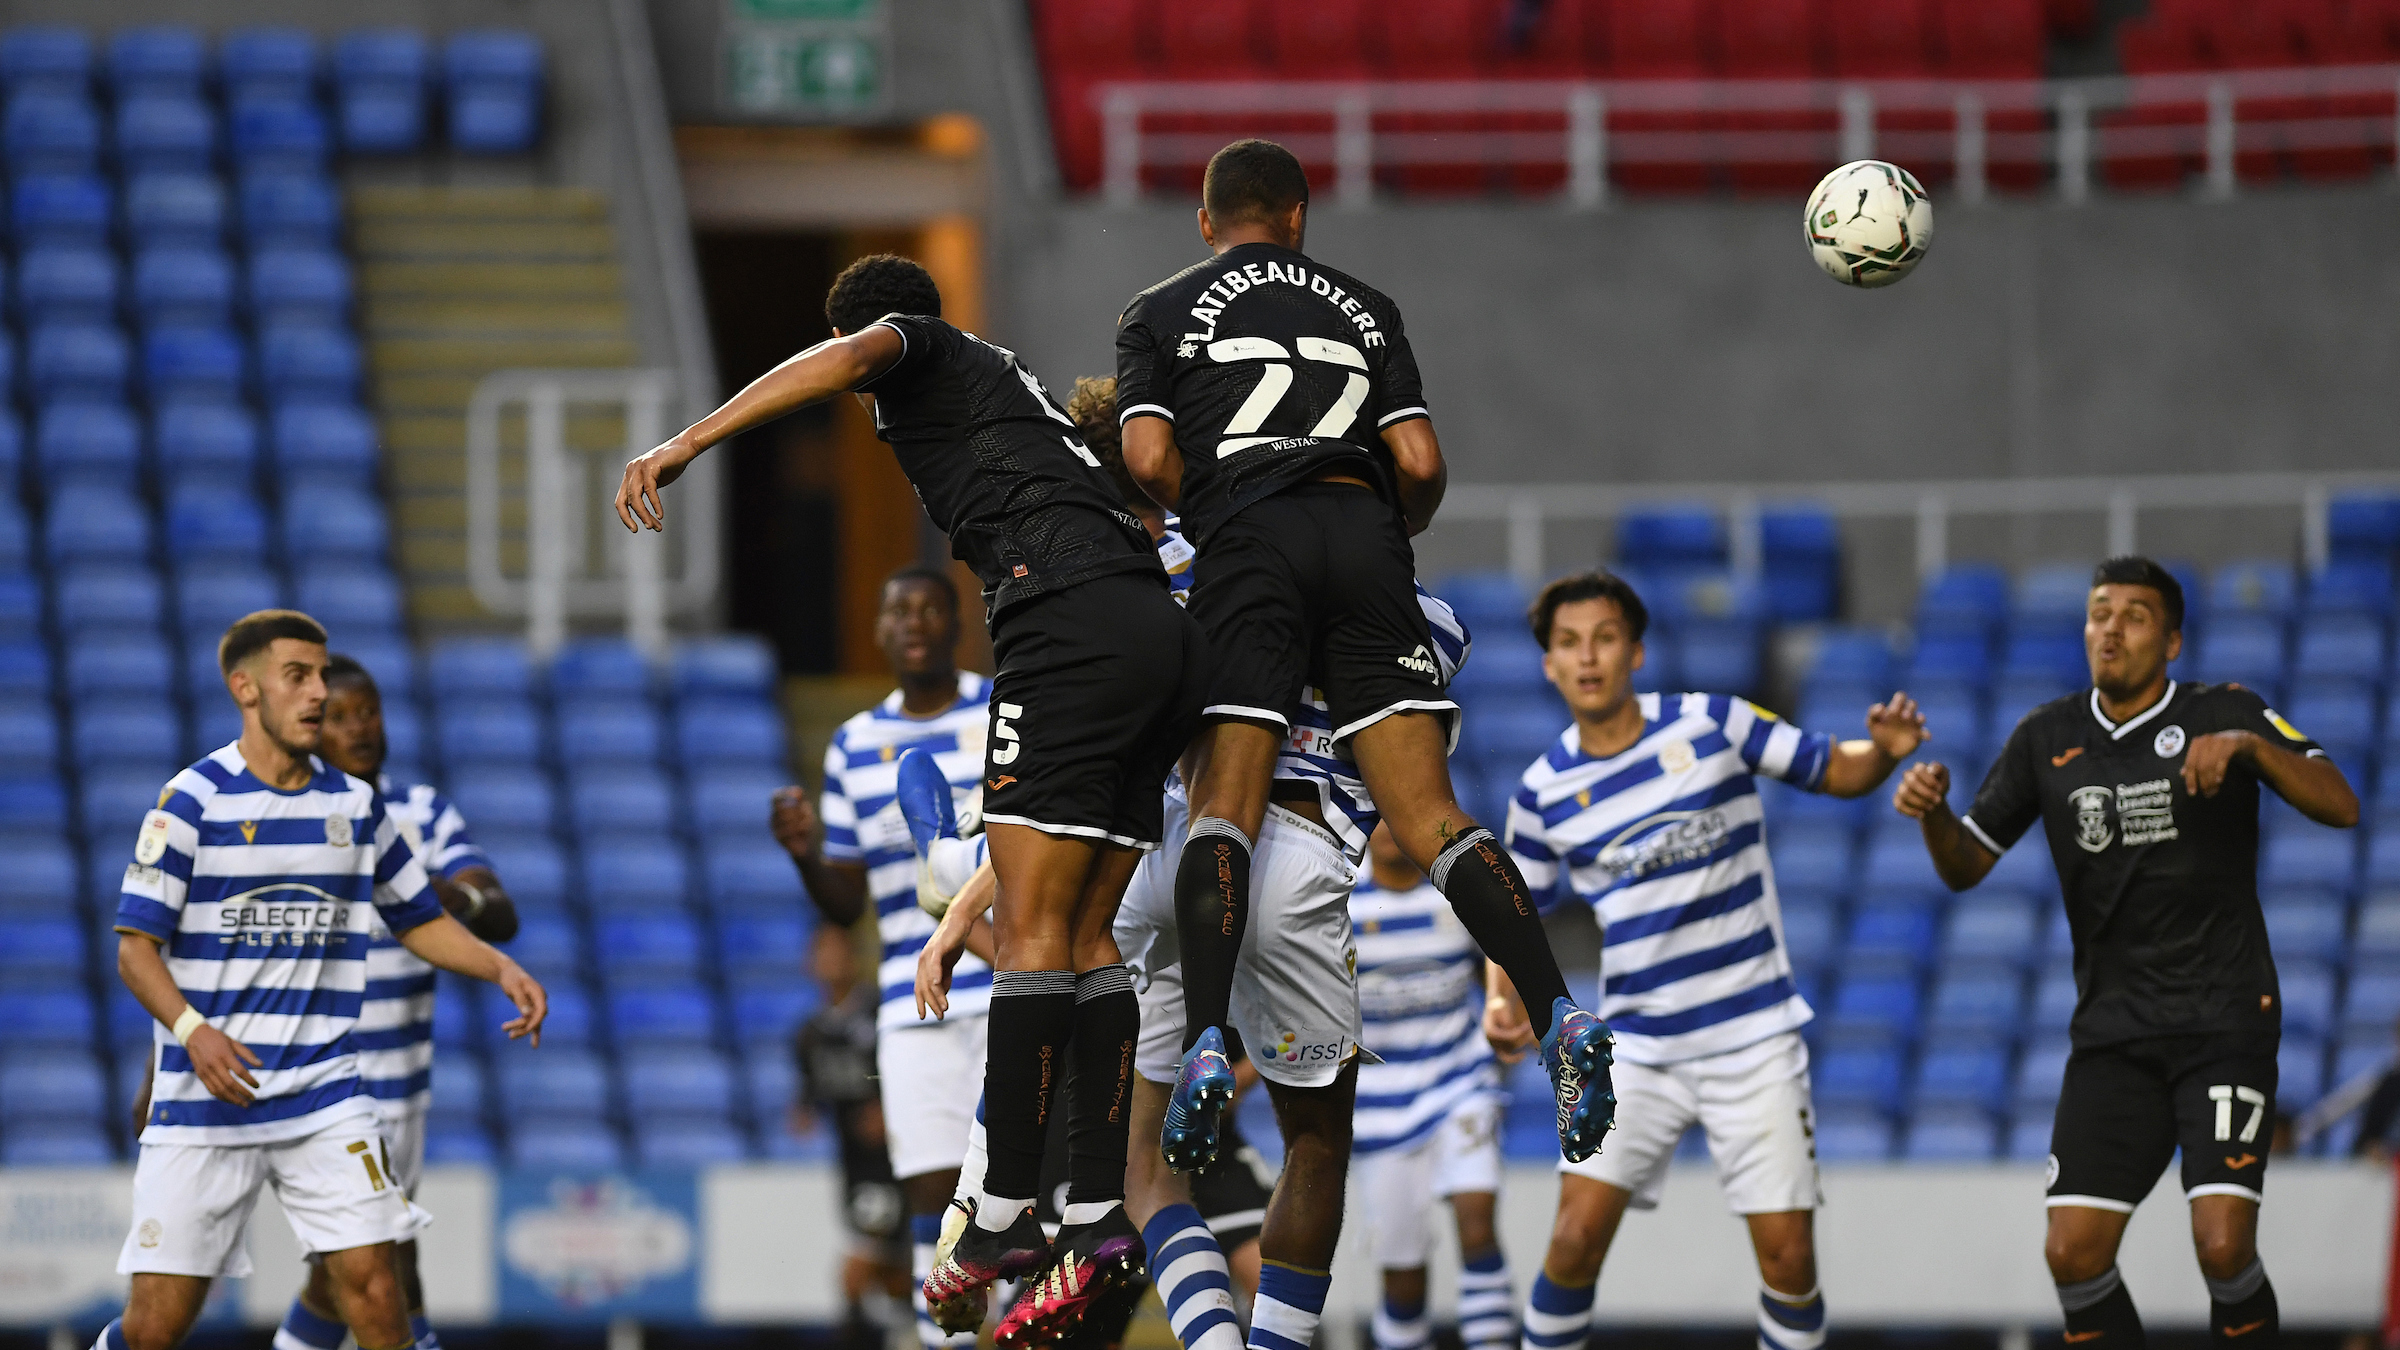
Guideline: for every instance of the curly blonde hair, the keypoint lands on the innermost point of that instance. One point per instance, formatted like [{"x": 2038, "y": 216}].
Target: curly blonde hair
[{"x": 1093, "y": 405}]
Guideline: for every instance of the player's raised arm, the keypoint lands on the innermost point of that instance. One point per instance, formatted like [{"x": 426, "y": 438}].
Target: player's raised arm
[
  {"x": 1417, "y": 463},
  {"x": 2313, "y": 784},
  {"x": 1959, "y": 858},
  {"x": 835, "y": 366},
  {"x": 1894, "y": 731}
]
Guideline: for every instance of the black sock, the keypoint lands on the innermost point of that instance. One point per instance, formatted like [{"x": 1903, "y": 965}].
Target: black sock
[
  {"x": 1108, "y": 1021},
  {"x": 1483, "y": 885},
  {"x": 2241, "y": 1311},
  {"x": 1212, "y": 908},
  {"x": 1033, "y": 1021},
  {"x": 2100, "y": 1307}
]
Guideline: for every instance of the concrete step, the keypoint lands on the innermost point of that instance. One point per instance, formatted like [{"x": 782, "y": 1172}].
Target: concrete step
[
  {"x": 407, "y": 435},
  {"x": 482, "y": 354},
  {"x": 402, "y": 278},
  {"x": 477, "y": 203},
  {"x": 500, "y": 315},
  {"x": 504, "y": 241}
]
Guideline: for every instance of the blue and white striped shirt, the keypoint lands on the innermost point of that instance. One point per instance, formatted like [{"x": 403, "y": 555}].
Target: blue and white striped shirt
[
  {"x": 863, "y": 825},
  {"x": 1308, "y": 752},
  {"x": 1667, "y": 843},
  {"x": 395, "y": 1023},
  {"x": 1420, "y": 1005},
  {"x": 262, "y": 900}
]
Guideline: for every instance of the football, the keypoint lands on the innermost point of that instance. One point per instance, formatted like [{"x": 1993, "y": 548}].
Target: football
[{"x": 1869, "y": 223}]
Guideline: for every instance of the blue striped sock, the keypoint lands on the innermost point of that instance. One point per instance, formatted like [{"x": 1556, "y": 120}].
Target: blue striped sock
[
  {"x": 1290, "y": 1302},
  {"x": 423, "y": 1331},
  {"x": 1189, "y": 1269},
  {"x": 924, "y": 1234},
  {"x": 1789, "y": 1323},
  {"x": 304, "y": 1330},
  {"x": 112, "y": 1336},
  {"x": 1557, "y": 1316},
  {"x": 1485, "y": 1319},
  {"x": 1401, "y": 1326}
]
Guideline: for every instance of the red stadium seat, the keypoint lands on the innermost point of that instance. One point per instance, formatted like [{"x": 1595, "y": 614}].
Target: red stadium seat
[
  {"x": 1766, "y": 39},
  {"x": 2071, "y": 18},
  {"x": 1567, "y": 40},
  {"x": 1085, "y": 43},
  {"x": 1656, "y": 40},
  {"x": 1991, "y": 39},
  {"x": 1876, "y": 39},
  {"x": 1210, "y": 39},
  {"x": 1436, "y": 39},
  {"x": 1318, "y": 40},
  {"x": 2334, "y": 33},
  {"x": 2159, "y": 45}
]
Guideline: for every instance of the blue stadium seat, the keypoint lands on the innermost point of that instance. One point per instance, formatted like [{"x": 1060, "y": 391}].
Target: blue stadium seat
[
  {"x": 1506, "y": 661},
  {"x": 1801, "y": 548},
  {"x": 769, "y": 1013},
  {"x": 1671, "y": 534},
  {"x": 379, "y": 90},
  {"x": 94, "y": 442},
  {"x": 770, "y": 1080},
  {"x": 88, "y": 523},
  {"x": 1856, "y": 657},
  {"x": 1810, "y": 933},
  {"x": 20, "y": 606},
  {"x": 268, "y": 62},
  {"x": 324, "y": 524},
  {"x": 574, "y": 1020},
  {"x": 464, "y": 1142},
  {"x": 108, "y": 597},
  {"x": 488, "y": 731},
  {"x": 388, "y": 657},
  {"x": 1999, "y": 928},
  {"x": 647, "y": 947},
  {"x": 46, "y": 58},
  {"x": 531, "y": 865},
  {"x": 41, "y": 950},
  {"x": 2378, "y": 934},
  {"x": 73, "y": 208},
  {"x": 206, "y": 441},
  {"x": 663, "y": 1014},
  {"x": 504, "y": 797},
  {"x": 208, "y": 600},
  {"x": 733, "y": 801},
  {"x": 685, "y": 1082},
  {"x": 2261, "y": 586},
  {"x": 283, "y": 135},
  {"x": 2055, "y": 659},
  {"x": 1901, "y": 935},
  {"x": 751, "y": 877},
  {"x": 1897, "y": 866},
  {"x": 1509, "y": 732},
  {"x": 50, "y": 133},
  {"x": 2372, "y": 1001},
  {"x": 1483, "y": 600},
  {"x": 28, "y": 734},
  {"x": 595, "y": 732},
  {"x": 2362, "y": 587},
  {"x": 718, "y": 731},
  {"x": 1977, "y": 999},
  {"x": 1952, "y": 1134},
  {"x": 635, "y": 877},
  {"x": 158, "y": 59},
  {"x": 763, "y": 946},
  {"x": 550, "y": 947},
  {"x": 2332, "y": 710},
  {"x": 1958, "y": 659},
  {"x": 47, "y": 1015},
  {"x": 1875, "y": 1004},
  {"x": 495, "y": 91},
  {"x": 346, "y": 599},
  {"x": 461, "y": 1087},
  {"x": 2342, "y": 644},
  {"x": 283, "y": 210},
  {"x": 571, "y": 1144},
  {"x": 1963, "y": 597},
  {"x": 183, "y": 284},
  {"x": 2040, "y": 1071},
  {"x": 553, "y": 1082},
  {"x": 2052, "y": 596},
  {"x": 2308, "y": 923},
  {"x": 2363, "y": 527},
  {"x": 208, "y": 523},
  {"x": 299, "y": 287},
  {"x": 138, "y": 730},
  {"x": 1720, "y": 656},
  {"x": 2308, "y": 996},
  {"x": 2314, "y": 857},
  {"x": 215, "y": 722},
  {"x": 24, "y": 670},
  {"x": 685, "y": 1141},
  {"x": 1859, "y": 1076},
  {"x": 458, "y": 1017},
  {"x": 171, "y": 210},
  {"x": 320, "y": 441},
  {"x": 2246, "y": 649},
  {"x": 42, "y": 874},
  {"x": 312, "y": 361},
  {"x": 165, "y": 132},
  {"x": 1963, "y": 1070},
  {"x": 480, "y": 667},
  {"x": 1812, "y": 857},
  {"x": 16, "y": 528},
  {"x": 114, "y": 797},
  {"x": 77, "y": 360},
  {"x": 51, "y": 1086},
  {"x": 67, "y": 283},
  {"x": 56, "y": 1145},
  {"x": 621, "y": 797},
  {"x": 600, "y": 666},
  {"x": 2300, "y": 1073}
]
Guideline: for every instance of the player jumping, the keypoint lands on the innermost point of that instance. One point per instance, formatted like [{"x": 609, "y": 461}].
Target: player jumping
[
  {"x": 244, "y": 928},
  {"x": 1098, "y": 688},
  {"x": 1275, "y": 403},
  {"x": 2147, "y": 791},
  {"x": 1650, "y": 803}
]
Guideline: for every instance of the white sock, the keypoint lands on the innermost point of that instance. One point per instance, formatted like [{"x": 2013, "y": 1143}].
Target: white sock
[
  {"x": 970, "y": 1171},
  {"x": 1486, "y": 1311},
  {"x": 1193, "y": 1282},
  {"x": 1398, "y": 1328},
  {"x": 1786, "y": 1322},
  {"x": 953, "y": 862}
]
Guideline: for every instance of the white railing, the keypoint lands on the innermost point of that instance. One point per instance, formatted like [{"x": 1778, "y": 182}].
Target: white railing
[
  {"x": 2053, "y": 128},
  {"x": 568, "y": 502},
  {"x": 1525, "y": 511}
]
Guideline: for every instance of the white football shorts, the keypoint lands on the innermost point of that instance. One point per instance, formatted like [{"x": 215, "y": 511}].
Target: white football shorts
[
  {"x": 1295, "y": 989},
  {"x": 403, "y": 1124},
  {"x": 192, "y": 1202},
  {"x": 1753, "y": 1104},
  {"x": 1399, "y": 1188},
  {"x": 931, "y": 1076}
]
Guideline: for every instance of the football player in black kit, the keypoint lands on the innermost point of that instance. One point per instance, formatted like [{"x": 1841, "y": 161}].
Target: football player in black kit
[
  {"x": 2146, "y": 789},
  {"x": 1098, "y": 690}
]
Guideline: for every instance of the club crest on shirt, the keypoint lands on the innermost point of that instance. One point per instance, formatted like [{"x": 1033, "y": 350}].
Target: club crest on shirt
[
  {"x": 337, "y": 831},
  {"x": 2168, "y": 743},
  {"x": 1676, "y": 756},
  {"x": 2092, "y": 833}
]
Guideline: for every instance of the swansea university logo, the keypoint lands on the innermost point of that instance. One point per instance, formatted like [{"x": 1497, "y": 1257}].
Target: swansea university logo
[{"x": 2091, "y": 817}]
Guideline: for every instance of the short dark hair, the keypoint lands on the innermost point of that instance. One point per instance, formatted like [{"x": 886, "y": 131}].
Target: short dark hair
[
  {"x": 339, "y": 667},
  {"x": 1252, "y": 180},
  {"x": 2132, "y": 569},
  {"x": 1593, "y": 585},
  {"x": 932, "y": 576},
  {"x": 253, "y": 633},
  {"x": 1093, "y": 405},
  {"x": 880, "y": 284}
]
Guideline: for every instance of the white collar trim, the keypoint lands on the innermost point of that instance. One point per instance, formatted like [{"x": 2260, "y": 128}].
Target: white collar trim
[{"x": 2117, "y": 732}]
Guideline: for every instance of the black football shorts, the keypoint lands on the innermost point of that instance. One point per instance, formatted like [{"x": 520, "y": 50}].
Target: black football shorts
[
  {"x": 1315, "y": 587},
  {"x": 2124, "y": 1109},
  {"x": 1098, "y": 694}
]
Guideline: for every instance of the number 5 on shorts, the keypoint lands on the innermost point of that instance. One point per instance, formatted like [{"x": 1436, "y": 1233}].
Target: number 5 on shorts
[
  {"x": 2224, "y": 1095},
  {"x": 1010, "y": 745}
]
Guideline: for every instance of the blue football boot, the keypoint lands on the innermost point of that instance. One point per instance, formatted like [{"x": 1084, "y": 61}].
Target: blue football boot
[
  {"x": 923, "y": 792},
  {"x": 1576, "y": 1052},
  {"x": 1202, "y": 1091}
]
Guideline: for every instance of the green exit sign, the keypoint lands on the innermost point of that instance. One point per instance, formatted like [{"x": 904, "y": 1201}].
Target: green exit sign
[
  {"x": 847, "y": 11},
  {"x": 797, "y": 70}
]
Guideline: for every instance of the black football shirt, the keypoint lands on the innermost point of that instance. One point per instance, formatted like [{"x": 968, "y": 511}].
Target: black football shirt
[
  {"x": 2161, "y": 886},
  {"x": 1273, "y": 368},
  {"x": 1000, "y": 466}
]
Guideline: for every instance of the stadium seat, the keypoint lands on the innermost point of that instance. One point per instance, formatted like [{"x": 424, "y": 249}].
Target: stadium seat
[
  {"x": 182, "y": 283},
  {"x": 29, "y": 740},
  {"x": 2356, "y": 587},
  {"x": 582, "y": 1145},
  {"x": 161, "y": 132},
  {"x": 71, "y": 208},
  {"x": 2300, "y": 1073},
  {"x": 734, "y": 664},
  {"x": 205, "y": 442},
  {"x": 550, "y": 947},
  {"x": 51, "y": 1086},
  {"x": 2363, "y": 527},
  {"x": 55, "y": 1145},
  {"x": 24, "y": 669},
  {"x": 479, "y": 667},
  {"x": 71, "y": 359},
  {"x": 283, "y": 210},
  {"x": 762, "y": 946},
  {"x": 488, "y": 731},
  {"x": 462, "y": 1142},
  {"x": 634, "y": 947},
  {"x": 41, "y": 950},
  {"x": 159, "y": 59},
  {"x": 1998, "y": 928},
  {"x": 2245, "y": 649},
  {"x": 308, "y": 361},
  {"x": 662, "y": 1014},
  {"x": 1890, "y": 935},
  {"x": 67, "y": 283},
  {"x": 53, "y": 59},
  {"x": 681, "y": 1140},
  {"x": 2260, "y": 587},
  {"x": 50, "y": 133},
  {"x": 1897, "y": 867},
  {"x": 1813, "y": 859},
  {"x": 2054, "y": 995},
  {"x": 2308, "y": 996},
  {"x": 209, "y": 599},
  {"x": 751, "y": 877},
  {"x": 208, "y": 523},
  {"x": 637, "y": 877},
  {"x": 494, "y": 91},
  {"x": 346, "y": 599},
  {"x": 99, "y": 443},
  {"x": 574, "y": 1020},
  {"x": 1810, "y": 932},
  {"x": 268, "y": 62},
  {"x": 192, "y": 361},
  {"x": 299, "y": 287},
  {"x": 175, "y": 210},
  {"x": 594, "y": 732},
  {"x": 1859, "y": 1075},
  {"x": 2372, "y": 1001},
  {"x": 1951, "y": 1134},
  {"x": 2308, "y": 924},
  {"x": 503, "y": 796},
  {"x": 272, "y": 134},
  {"x": 47, "y": 1015},
  {"x": 588, "y": 667},
  {"x": 114, "y": 797},
  {"x": 89, "y": 523},
  {"x": 1873, "y": 1004},
  {"x": 108, "y": 597},
  {"x": 717, "y": 731},
  {"x": 2316, "y": 857},
  {"x": 679, "y": 1082},
  {"x": 1979, "y": 1000},
  {"x": 118, "y": 665},
  {"x": 621, "y": 797},
  {"x": 324, "y": 524},
  {"x": 320, "y": 441},
  {"x": 2343, "y": 645},
  {"x": 769, "y": 1013},
  {"x": 379, "y": 90}
]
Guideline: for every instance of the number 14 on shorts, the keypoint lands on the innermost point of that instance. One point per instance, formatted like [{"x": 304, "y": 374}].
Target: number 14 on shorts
[{"x": 2225, "y": 1095}]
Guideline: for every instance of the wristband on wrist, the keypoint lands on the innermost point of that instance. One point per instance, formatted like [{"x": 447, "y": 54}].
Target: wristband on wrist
[{"x": 189, "y": 1022}]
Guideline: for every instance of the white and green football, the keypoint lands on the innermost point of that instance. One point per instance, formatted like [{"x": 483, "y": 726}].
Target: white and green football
[{"x": 1869, "y": 223}]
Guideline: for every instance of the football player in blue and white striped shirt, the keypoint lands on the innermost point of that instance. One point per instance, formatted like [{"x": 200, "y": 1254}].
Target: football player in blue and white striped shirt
[
  {"x": 855, "y": 848},
  {"x": 1649, "y": 806},
  {"x": 244, "y": 923},
  {"x": 1428, "y": 1121}
]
